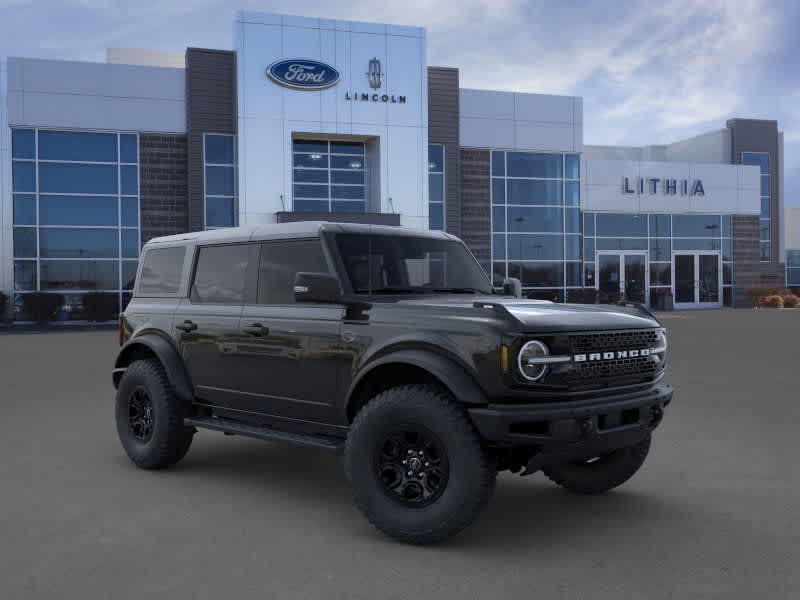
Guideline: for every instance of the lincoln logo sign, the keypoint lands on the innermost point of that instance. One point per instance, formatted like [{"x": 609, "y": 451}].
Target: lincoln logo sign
[
  {"x": 302, "y": 74},
  {"x": 667, "y": 186}
]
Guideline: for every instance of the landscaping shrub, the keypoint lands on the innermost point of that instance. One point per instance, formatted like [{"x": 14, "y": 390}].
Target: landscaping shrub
[
  {"x": 773, "y": 301},
  {"x": 41, "y": 306},
  {"x": 758, "y": 295},
  {"x": 99, "y": 306},
  {"x": 790, "y": 301}
]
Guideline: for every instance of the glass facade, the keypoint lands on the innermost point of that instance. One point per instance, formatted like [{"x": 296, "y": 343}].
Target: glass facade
[
  {"x": 436, "y": 186},
  {"x": 328, "y": 176},
  {"x": 793, "y": 268},
  {"x": 75, "y": 215},
  {"x": 761, "y": 160},
  {"x": 219, "y": 168},
  {"x": 536, "y": 221}
]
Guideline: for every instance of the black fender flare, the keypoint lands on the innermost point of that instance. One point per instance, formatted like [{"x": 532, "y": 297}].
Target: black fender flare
[
  {"x": 450, "y": 373},
  {"x": 166, "y": 353}
]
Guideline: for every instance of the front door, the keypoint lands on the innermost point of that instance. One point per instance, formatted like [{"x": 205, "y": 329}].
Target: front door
[
  {"x": 622, "y": 276},
  {"x": 697, "y": 279}
]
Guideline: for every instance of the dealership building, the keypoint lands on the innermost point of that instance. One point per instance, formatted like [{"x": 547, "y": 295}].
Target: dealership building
[{"x": 339, "y": 120}]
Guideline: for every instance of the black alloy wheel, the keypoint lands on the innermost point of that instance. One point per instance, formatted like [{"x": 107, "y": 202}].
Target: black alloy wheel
[{"x": 140, "y": 414}]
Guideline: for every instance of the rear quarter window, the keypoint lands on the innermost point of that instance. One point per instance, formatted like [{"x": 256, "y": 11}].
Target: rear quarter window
[
  {"x": 220, "y": 275},
  {"x": 161, "y": 271}
]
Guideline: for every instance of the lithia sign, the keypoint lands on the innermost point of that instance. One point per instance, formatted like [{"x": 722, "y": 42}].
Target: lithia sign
[
  {"x": 667, "y": 186},
  {"x": 306, "y": 74}
]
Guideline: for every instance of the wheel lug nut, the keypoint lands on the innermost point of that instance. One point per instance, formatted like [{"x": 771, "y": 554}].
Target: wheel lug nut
[
  {"x": 410, "y": 473},
  {"x": 427, "y": 464},
  {"x": 411, "y": 452}
]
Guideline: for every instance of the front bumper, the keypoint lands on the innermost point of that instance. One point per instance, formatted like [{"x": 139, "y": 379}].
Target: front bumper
[{"x": 577, "y": 429}]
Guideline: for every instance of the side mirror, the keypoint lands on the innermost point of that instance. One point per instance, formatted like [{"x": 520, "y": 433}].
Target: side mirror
[
  {"x": 512, "y": 287},
  {"x": 316, "y": 287}
]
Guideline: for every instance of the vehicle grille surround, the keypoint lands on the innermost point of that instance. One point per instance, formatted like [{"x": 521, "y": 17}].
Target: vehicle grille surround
[{"x": 645, "y": 367}]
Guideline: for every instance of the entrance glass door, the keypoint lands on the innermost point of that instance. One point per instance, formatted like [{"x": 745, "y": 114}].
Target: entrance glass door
[
  {"x": 697, "y": 279},
  {"x": 622, "y": 276}
]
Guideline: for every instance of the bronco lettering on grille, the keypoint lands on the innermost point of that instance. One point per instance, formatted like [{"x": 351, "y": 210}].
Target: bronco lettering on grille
[{"x": 595, "y": 356}]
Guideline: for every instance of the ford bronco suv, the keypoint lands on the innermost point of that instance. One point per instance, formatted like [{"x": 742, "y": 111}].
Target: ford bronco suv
[{"x": 391, "y": 347}]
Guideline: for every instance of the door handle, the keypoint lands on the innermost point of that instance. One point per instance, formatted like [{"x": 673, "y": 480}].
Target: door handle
[
  {"x": 256, "y": 329},
  {"x": 186, "y": 326}
]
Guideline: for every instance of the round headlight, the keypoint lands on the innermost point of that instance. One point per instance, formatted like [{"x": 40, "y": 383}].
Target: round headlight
[{"x": 529, "y": 358}]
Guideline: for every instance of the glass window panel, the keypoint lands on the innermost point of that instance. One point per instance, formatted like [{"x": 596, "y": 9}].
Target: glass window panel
[
  {"x": 695, "y": 244},
  {"x": 348, "y": 206},
  {"x": 765, "y": 185},
  {"x": 793, "y": 277},
  {"x": 766, "y": 251},
  {"x": 660, "y": 226},
  {"x": 765, "y": 208},
  {"x": 435, "y": 187},
  {"x": 219, "y": 181},
  {"x": 77, "y": 145},
  {"x": 23, "y": 176},
  {"x": 759, "y": 159},
  {"x": 522, "y": 191},
  {"x": 727, "y": 273},
  {"x": 660, "y": 249},
  {"x": 130, "y": 243},
  {"x": 78, "y": 243},
  {"x": 727, "y": 297},
  {"x": 499, "y": 247},
  {"x": 347, "y": 192},
  {"x": 129, "y": 273},
  {"x": 588, "y": 274},
  {"x": 25, "y": 275},
  {"x": 436, "y": 216},
  {"x": 23, "y": 143},
  {"x": 219, "y": 212},
  {"x": 536, "y": 219},
  {"x": 220, "y": 274},
  {"x": 661, "y": 274},
  {"x": 727, "y": 226},
  {"x": 573, "y": 166},
  {"x": 130, "y": 212},
  {"x": 435, "y": 158},
  {"x": 588, "y": 224},
  {"x": 128, "y": 148},
  {"x": 696, "y": 225},
  {"x": 498, "y": 163},
  {"x": 24, "y": 209},
  {"x": 161, "y": 271},
  {"x": 556, "y": 295},
  {"x": 572, "y": 190},
  {"x": 543, "y": 274},
  {"x": 311, "y": 205},
  {"x": 310, "y": 146},
  {"x": 25, "y": 242},
  {"x": 498, "y": 191},
  {"x": 498, "y": 218},
  {"x": 347, "y": 148},
  {"x": 317, "y": 161},
  {"x": 532, "y": 164},
  {"x": 727, "y": 249},
  {"x": 573, "y": 274},
  {"x": 77, "y": 210},
  {"x": 279, "y": 264},
  {"x": 535, "y": 247},
  {"x": 310, "y": 191},
  {"x": 572, "y": 220},
  {"x": 219, "y": 149},
  {"x": 793, "y": 258},
  {"x": 763, "y": 229},
  {"x": 572, "y": 245},
  {"x": 77, "y": 179},
  {"x": 129, "y": 180},
  {"x": 347, "y": 162},
  {"x": 588, "y": 249},
  {"x": 311, "y": 175},
  {"x": 621, "y": 243},
  {"x": 79, "y": 275},
  {"x": 623, "y": 225}
]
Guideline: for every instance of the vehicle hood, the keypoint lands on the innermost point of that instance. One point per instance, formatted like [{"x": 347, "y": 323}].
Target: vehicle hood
[{"x": 543, "y": 315}]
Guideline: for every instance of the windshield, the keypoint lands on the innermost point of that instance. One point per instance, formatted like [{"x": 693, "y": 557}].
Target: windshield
[{"x": 385, "y": 264}]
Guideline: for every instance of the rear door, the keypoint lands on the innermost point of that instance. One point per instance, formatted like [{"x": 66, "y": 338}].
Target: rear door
[{"x": 207, "y": 322}]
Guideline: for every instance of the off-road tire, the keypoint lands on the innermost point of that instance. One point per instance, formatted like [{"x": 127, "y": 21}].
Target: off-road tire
[
  {"x": 606, "y": 473},
  {"x": 472, "y": 472},
  {"x": 170, "y": 438}
]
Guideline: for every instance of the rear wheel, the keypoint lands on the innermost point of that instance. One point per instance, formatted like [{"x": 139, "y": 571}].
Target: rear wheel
[
  {"x": 150, "y": 417},
  {"x": 416, "y": 466},
  {"x": 601, "y": 473}
]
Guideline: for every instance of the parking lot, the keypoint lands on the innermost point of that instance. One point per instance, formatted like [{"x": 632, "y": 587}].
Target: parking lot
[{"x": 715, "y": 512}]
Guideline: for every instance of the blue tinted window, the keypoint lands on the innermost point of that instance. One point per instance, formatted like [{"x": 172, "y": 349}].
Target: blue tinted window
[
  {"x": 727, "y": 249},
  {"x": 660, "y": 249},
  {"x": 357, "y": 177},
  {"x": 766, "y": 251},
  {"x": 695, "y": 244},
  {"x": 23, "y": 143},
  {"x": 435, "y": 158},
  {"x": 621, "y": 244},
  {"x": 793, "y": 277},
  {"x": 793, "y": 258},
  {"x": 348, "y": 206},
  {"x": 573, "y": 166},
  {"x": 759, "y": 159},
  {"x": 541, "y": 274},
  {"x": 696, "y": 225},
  {"x": 347, "y": 148},
  {"x": 499, "y": 247},
  {"x": 129, "y": 183},
  {"x": 313, "y": 161},
  {"x": 572, "y": 190},
  {"x": 436, "y": 187},
  {"x": 498, "y": 218},
  {"x": 347, "y": 162},
  {"x": 436, "y": 216},
  {"x": 498, "y": 163},
  {"x": 78, "y": 243},
  {"x": 219, "y": 212},
  {"x": 572, "y": 220},
  {"x": 80, "y": 275},
  {"x": 23, "y": 176},
  {"x": 764, "y": 229},
  {"x": 25, "y": 275},
  {"x": 129, "y": 268},
  {"x": 24, "y": 242},
  {"x": 77, "y": 179},
  {"x": 498, "y": 191},
  {"x": 765, "y": 185},
  {"x": 130, "y": 212},
  {"x": 528, "y": 191},
  {"x": 529, "y": 164},
  {"x": 347, "y": 192},
  {"x": 588, "y": 249},
  {"x": 727, "y": 225},
  {"x": 660, "y": 226},
  {"x": 572, "y": 246},
  {"x": 311, "y": 205},
  {"x": 573, "y": 274},
  {"x": 765, "y": 208},
  {"x": 535, "y": 247},
  {"x": 588, "y": 224},
  {"x": 130, "y": 243},
  {"x": 24, "y": 209},
  {"x": 73, "y": 145},
  {"x": 312, "y": 175},
  {"x": 310, "y": 146},
  {"x": 621, "y": 225},
  {"x": 77, "y": 210},
  {"x": 536, "y": 220},
  {"x": 219, "y": 181},
  {"x": 219, "y": 149},
  {"x": 128, "y": 149}
]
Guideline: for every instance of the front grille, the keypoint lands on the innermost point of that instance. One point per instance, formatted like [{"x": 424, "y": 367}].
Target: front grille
[
  {"x": 614, "y": 340},
  {"x": 640, "y": 367}
]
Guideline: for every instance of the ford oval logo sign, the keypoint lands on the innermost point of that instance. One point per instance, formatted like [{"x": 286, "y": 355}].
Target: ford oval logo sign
[{"x": 303, "y": 74}]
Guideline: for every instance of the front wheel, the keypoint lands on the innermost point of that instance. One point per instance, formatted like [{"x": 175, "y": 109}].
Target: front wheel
[{"x": 416, "y": 466}]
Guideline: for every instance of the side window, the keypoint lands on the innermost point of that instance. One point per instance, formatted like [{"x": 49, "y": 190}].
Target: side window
[
  {"x": 280, "y": 262},
  {"x": 161, "y": 271},
  {"x": 219, "y": 277}
]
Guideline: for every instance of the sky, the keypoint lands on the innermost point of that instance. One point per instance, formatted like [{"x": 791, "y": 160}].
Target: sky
[{"x": 649, "y": 72}]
